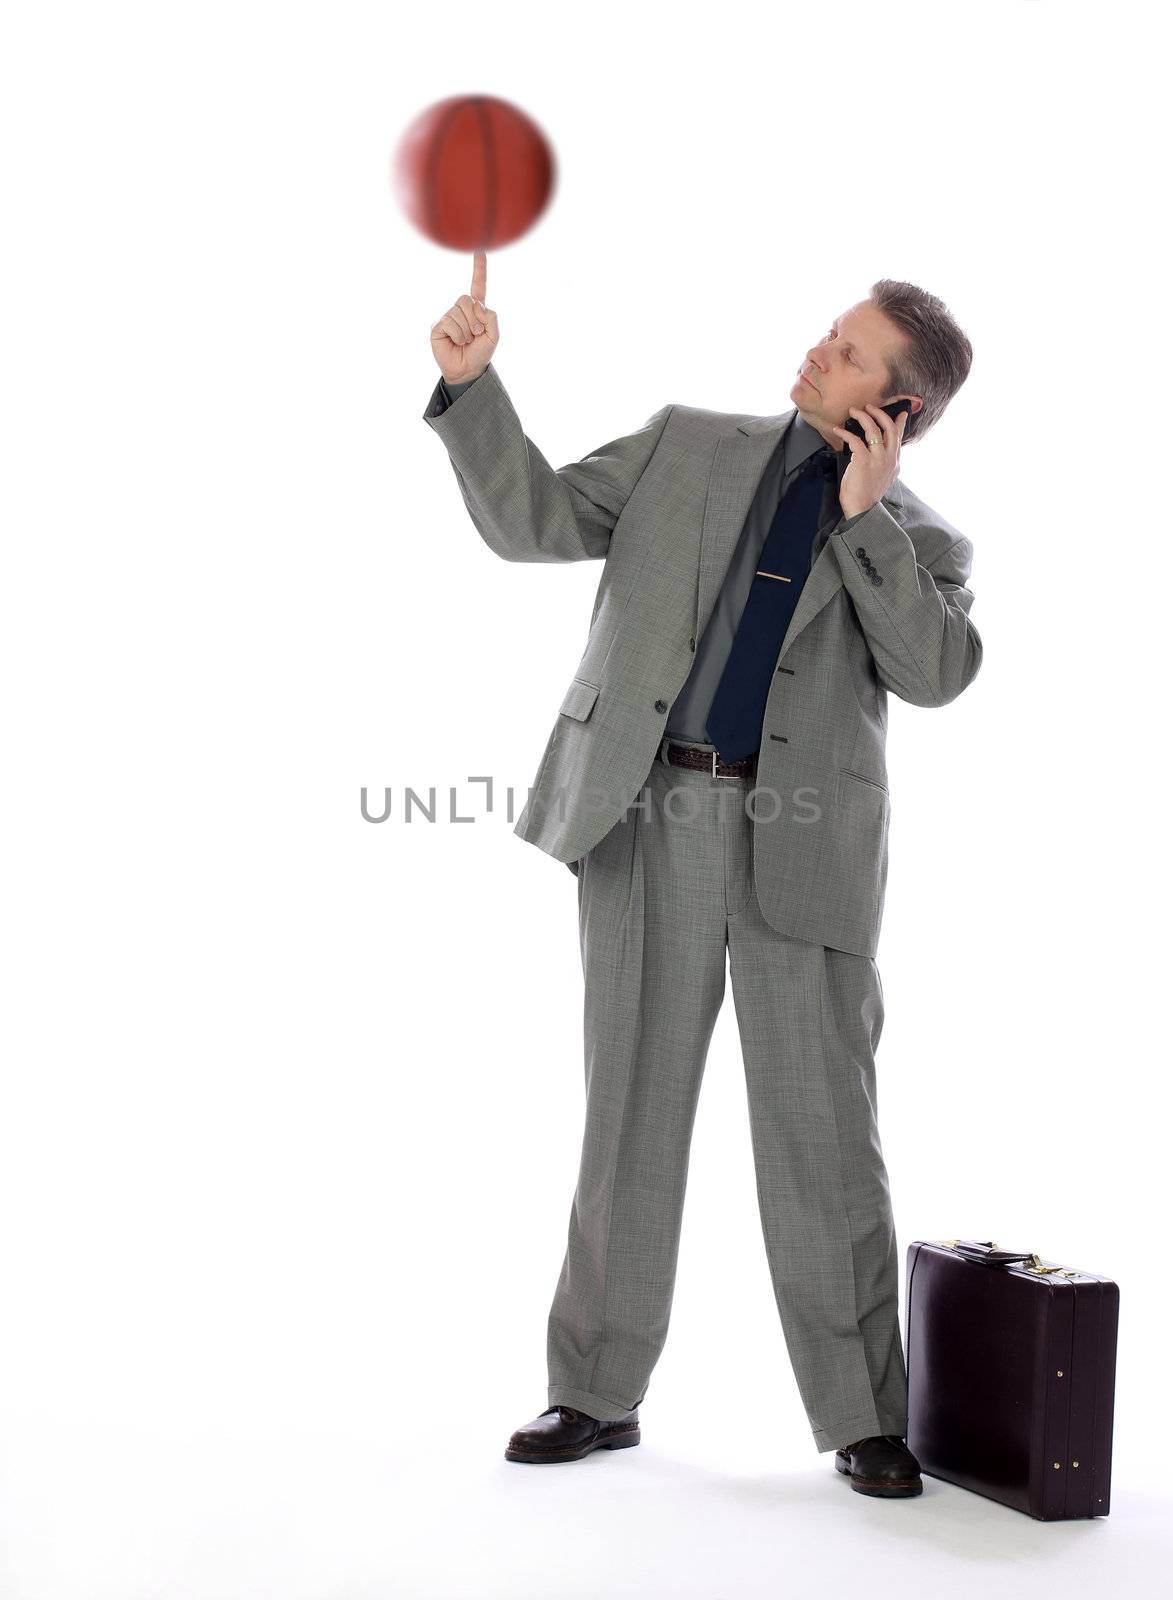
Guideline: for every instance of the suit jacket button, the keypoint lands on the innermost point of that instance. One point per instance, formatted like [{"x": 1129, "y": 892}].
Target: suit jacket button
[
  {"x": 876, "y": 578},
  {"x": 692, "y": 644},
  {"x": 661, "y": 705},
  {"x": 861, "y": 552}
]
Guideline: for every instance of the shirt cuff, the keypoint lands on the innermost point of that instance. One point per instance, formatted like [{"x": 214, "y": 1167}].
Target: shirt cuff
[
  {"x": 451, "y": 390},
  {"x": 850, "y": 522}
]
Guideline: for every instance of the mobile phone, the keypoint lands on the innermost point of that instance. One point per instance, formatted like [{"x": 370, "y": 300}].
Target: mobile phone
[{"x": 853, "y": 426}]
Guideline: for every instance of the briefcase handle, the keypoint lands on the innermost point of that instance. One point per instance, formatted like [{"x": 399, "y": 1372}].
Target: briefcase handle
[{"x": 988, "y": 1253}]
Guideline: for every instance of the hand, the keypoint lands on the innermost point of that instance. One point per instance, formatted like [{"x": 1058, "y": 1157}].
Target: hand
[
  {"x": 872, "y": 469},
  {"x": 464, "y": 338}
]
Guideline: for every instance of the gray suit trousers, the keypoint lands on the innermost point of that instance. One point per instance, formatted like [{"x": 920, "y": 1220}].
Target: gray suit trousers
[{"x": 662, "y": 896}]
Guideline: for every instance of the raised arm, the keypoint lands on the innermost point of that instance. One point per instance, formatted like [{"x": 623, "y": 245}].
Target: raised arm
[
  {"x": 524, "y": 509},
  {"x": 914, "y": 612},
  {"x": 908, "y": 583}
]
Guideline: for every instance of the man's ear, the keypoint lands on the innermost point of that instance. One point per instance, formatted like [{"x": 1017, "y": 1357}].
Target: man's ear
[{"x": 917, "y": 402}]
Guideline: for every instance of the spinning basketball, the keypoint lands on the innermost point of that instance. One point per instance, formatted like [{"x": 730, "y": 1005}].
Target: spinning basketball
[{"x": 474, "y": 171}]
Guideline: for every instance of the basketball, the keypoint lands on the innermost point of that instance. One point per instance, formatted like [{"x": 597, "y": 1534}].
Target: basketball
[{"x": 473, "y": 171}]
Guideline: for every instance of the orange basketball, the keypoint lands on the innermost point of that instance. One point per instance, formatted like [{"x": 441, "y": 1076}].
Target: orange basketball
[{"x": 474, "y": 171}]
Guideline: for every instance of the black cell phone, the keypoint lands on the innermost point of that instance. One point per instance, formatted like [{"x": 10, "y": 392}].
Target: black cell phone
[{"x": 893, "y": 410}]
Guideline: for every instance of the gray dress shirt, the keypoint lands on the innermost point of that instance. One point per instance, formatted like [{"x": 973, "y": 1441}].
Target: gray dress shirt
[{"x": 688, "y": 714}]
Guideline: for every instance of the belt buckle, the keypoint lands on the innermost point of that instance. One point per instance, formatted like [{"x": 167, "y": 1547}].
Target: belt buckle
[{"x": 717, "y": 774}]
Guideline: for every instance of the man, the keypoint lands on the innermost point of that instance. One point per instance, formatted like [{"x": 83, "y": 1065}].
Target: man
[{"x": 716, "y": 778}]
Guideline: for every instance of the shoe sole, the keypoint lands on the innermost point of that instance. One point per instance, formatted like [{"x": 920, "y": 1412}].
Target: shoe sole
[
  {"x": 539, "y": 1455},
  {"x": 882, "y": 1488}
]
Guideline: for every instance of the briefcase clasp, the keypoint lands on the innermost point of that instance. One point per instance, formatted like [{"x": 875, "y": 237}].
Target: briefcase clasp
[
  {"x": 1035, "y": 1265},
  {"x": 1030, "y": 1262}
]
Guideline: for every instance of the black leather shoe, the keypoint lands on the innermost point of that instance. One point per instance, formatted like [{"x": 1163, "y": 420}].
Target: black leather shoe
[
  {"x": 880, "y": 1465},
  {"x": 564, "y": 1434}
]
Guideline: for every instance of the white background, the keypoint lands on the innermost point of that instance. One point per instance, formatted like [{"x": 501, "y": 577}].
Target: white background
[{"x": 292, "y": 1103}]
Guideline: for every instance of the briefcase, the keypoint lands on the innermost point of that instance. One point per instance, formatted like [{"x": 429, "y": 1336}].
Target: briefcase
[{"x": 1011, "y": 1376}]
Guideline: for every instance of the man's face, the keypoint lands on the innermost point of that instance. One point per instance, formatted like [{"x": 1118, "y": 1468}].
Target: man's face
[{"x": 847, "y": 368}]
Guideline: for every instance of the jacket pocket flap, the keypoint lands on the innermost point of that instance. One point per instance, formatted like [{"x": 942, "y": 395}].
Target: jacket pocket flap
[
  {"x": 858, "y": 777},
  {"x": 580, "y": 698}
]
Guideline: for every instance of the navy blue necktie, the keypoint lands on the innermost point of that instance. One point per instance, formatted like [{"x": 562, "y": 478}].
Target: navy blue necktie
[{"x": 734, "y": 722}]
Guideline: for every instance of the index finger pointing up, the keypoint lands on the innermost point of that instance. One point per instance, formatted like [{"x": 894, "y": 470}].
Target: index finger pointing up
[{"x": 479, "y": 271}]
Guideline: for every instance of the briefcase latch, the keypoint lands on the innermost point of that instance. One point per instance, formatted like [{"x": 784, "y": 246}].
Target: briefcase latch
[
  {"x": 1033, "y": 1264},
  {"x": 1029, "y": 1261}
]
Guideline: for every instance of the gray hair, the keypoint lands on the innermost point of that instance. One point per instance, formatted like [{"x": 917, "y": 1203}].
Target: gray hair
[{"x": 936, "y": 356}]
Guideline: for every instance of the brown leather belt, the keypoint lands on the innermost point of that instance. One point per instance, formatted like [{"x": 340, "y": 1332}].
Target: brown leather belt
[{"x": 684, "y": 755}]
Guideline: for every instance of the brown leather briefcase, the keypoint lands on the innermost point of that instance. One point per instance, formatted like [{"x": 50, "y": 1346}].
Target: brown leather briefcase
[{"x": 1011, "y": 1376}]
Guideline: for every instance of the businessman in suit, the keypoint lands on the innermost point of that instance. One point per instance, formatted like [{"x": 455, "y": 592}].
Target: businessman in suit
[{"x": 716, "y": 780}]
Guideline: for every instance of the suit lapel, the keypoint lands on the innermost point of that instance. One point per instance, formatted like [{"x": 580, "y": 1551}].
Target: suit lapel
[
  {"x": 740, "y": 460},
  {"x": 733, "y": 480}
]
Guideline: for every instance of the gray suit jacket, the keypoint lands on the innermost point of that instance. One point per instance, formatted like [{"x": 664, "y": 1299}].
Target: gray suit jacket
[{"x": 885, "y": 607}]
